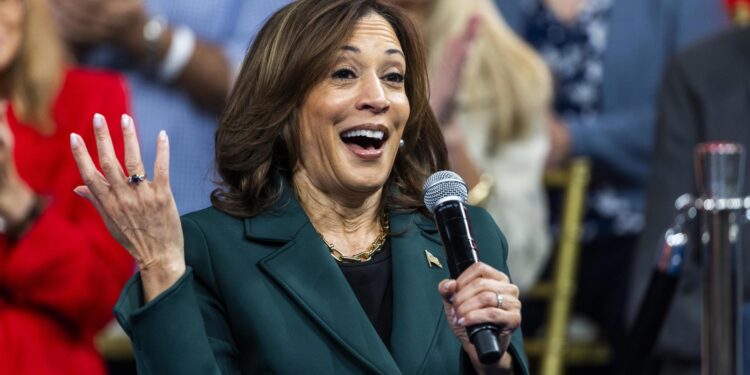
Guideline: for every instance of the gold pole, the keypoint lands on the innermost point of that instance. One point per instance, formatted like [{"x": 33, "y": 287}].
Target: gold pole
[{"x": 566, "y": 268}]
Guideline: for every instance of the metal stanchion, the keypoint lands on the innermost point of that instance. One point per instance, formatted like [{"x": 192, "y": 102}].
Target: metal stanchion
[
  {"x": 721, "y": 210},
  {"x": 719, "y": 172}
]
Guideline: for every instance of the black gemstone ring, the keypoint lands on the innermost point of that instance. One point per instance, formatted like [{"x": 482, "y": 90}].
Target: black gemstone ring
[{"x": 135, "y": 179}]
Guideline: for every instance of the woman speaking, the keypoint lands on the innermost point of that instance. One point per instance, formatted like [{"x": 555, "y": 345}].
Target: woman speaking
[{"x": 318, "y": 255}]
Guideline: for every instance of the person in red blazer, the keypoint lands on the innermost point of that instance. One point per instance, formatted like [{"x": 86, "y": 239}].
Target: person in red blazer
[{"x": 60, "y": 270}]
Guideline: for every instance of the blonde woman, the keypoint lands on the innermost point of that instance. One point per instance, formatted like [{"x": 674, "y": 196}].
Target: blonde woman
[
  {"x": 491, "y": 93},
  {"x": 60, "y": 271}
]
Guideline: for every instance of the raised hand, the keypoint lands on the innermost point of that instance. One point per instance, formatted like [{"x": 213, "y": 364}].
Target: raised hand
[
  {"x": 447, "y": 80},
  {"x": 482, "y": 294},
  {"x": 141, "y": 215}
]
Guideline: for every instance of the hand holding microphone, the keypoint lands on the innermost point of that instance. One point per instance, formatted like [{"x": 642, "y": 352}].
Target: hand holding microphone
[{"x": 480, "y": 303}]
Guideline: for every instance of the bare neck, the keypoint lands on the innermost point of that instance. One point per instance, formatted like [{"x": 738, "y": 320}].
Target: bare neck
[{"x": 351, "y": 224}]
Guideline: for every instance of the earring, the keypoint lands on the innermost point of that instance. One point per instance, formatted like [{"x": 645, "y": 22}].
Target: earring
[{"x": 401, "y": 143}]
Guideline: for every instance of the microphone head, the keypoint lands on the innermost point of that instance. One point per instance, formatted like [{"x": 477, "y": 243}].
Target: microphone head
[{"x": 443, "y": 185}]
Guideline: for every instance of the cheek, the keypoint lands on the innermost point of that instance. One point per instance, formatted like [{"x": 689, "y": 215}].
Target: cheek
[{"x": 401, "y": 109}]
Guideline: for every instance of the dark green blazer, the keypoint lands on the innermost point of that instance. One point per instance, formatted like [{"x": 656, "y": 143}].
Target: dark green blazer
[{"x": 263, "y": 295}]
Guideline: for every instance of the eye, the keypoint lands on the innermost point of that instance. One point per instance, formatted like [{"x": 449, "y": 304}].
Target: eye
[
  {"x": 343, "y": 73},
  {"x": 394, "y": 77}
]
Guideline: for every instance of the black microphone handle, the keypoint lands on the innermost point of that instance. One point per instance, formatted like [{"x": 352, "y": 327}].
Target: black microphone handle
[{"x": 461, "y": 249}]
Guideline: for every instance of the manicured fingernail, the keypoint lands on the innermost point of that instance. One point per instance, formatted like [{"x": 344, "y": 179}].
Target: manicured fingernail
[
  {"x": 125, "y": 121},
  {"x": 73, "y": 140},
  {"x": 162, "y": 135},
  {"x": 98, "y": 120},
  {"x": 461, "y": 321},
  {"x": 79, "y": 193},
  {"x": 447, "y": 285}
]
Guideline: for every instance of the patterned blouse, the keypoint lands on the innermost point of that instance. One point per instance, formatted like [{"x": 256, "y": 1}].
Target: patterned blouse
[{"x": 574, "y": 53}]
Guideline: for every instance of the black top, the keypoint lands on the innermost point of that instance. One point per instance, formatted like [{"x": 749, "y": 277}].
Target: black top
[{"x": 372, "y": 284}]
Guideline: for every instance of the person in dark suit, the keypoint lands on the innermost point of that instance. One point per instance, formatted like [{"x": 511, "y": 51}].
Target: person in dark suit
[
  {"x": 318, "y": 256},
  {"x": 705, "y": 97}
]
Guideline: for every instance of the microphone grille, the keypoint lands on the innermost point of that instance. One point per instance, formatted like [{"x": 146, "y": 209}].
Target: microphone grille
[{"x": 443, "y": 184}]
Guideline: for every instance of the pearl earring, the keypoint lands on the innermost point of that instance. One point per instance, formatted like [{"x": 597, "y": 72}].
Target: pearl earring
[{"x": 401, "y": 143}]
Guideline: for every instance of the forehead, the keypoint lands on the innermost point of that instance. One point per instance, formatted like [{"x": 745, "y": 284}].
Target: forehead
[{"x": 374, "y": 31}]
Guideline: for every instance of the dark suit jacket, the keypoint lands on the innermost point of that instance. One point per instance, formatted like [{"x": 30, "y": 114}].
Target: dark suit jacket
[
  {"x": 263, "y": 295},
  {"x": 705, "y": 97}
]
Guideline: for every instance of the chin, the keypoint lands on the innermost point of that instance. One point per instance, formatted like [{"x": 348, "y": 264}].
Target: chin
[{"x": 366, "y": 180}]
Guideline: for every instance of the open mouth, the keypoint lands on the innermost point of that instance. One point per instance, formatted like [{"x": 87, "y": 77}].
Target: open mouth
[{"x": 365, "y": 139}]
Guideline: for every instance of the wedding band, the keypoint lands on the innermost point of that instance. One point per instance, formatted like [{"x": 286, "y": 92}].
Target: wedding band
[
  {"x": 135, "y": 179},
  {"x": 500, "y": 300}
]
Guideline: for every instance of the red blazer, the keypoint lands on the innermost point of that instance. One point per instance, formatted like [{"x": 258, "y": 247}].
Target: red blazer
[{"x": 59, "y": 282}]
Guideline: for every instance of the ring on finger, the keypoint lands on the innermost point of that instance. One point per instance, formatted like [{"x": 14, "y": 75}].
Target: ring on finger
[
  {"x": 135, "y": 179},
  {"x": 500, "y": 300}
]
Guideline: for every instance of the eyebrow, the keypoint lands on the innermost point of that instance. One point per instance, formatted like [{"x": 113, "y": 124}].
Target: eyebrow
[{"x": 390, "y": 51}]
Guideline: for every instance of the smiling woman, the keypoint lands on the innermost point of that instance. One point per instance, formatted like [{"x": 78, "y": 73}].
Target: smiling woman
[
  {"x": 314, "y": 249},
  {"x": 309, "y": 57}
]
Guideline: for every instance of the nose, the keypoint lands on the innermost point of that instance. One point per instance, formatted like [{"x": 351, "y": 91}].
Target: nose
[{"x": 373, "y": 95}]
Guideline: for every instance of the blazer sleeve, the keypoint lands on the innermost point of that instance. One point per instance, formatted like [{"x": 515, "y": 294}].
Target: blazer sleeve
[{"x": 184, "y": 330}]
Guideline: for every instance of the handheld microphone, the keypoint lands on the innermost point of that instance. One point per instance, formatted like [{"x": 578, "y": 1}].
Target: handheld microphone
[{"x": 445, "y": 195}]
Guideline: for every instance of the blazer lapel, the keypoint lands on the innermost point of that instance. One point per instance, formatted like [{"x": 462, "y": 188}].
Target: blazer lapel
[
  {"x": 417, "y": 306},
  {"x": 304, "y": 269}
]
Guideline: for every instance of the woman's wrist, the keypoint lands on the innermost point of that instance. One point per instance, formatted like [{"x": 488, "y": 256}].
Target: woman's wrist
[
  {"x": 19, "y": 208},
  {"x": 137, "y": 41},
  {"x": 503, "y": 367},
  {"x": 158, "y": 277}
]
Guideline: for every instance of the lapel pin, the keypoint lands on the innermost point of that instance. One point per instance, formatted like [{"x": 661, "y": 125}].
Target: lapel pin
[{"x": 432, "y": 260}]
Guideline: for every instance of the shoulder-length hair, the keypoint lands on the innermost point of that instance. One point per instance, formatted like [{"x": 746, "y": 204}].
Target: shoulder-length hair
[
  {"x": 36, "y": 72},
  {"x": 258, "y": 139},
  {"x": 502, "y": 71}
]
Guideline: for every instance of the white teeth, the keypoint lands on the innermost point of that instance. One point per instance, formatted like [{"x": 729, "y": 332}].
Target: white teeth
[{"x": 377, "y": 134}]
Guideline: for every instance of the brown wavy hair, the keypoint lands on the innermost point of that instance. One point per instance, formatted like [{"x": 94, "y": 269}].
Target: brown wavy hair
[{"x": 257, "y": 141}]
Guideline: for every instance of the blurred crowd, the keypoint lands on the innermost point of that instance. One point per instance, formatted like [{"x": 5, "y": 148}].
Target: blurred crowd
[{"x": 520, "y": 87}]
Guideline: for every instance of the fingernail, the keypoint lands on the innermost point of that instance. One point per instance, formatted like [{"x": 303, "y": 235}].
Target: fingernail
[
  {"x": 79, "y": 193},
  {"x": 162, "y": 135},
  {"x": 447, "y": 285},
  {"x": 450, "y": 299},
  {"x": 455, "y": 320},
  {"x": 461, "y": 321},
  {"x": 125, "y": 121},
  {"x": 453, "y": 312},
  {"x": 73, "y": 140},
  {"x": 98, "y": 120}
]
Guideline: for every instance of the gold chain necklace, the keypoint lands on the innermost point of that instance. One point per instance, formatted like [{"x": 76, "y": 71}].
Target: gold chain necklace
[{"x": 363, "y": 256}]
